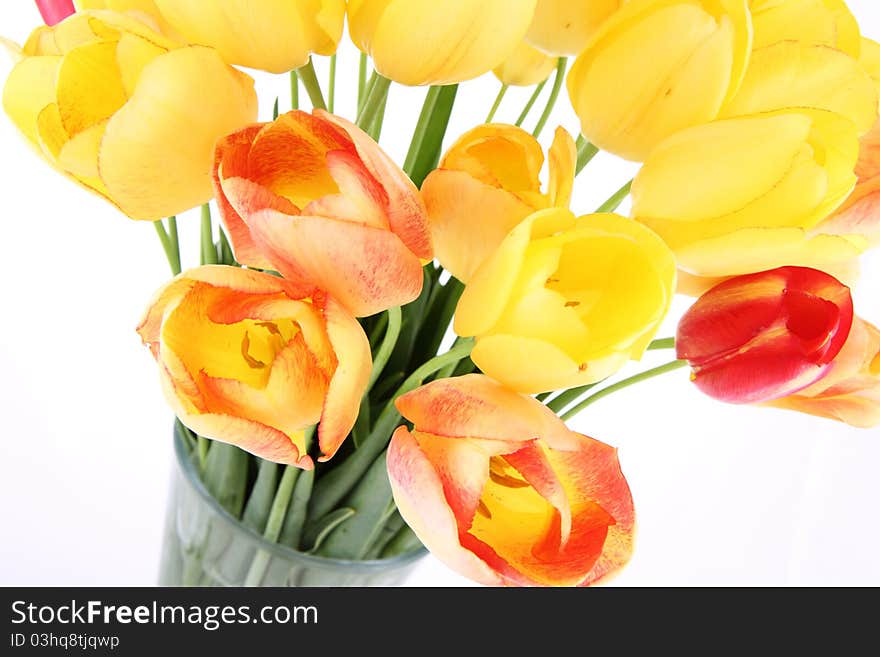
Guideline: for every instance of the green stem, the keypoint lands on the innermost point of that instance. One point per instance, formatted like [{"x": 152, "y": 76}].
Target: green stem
[
  {"x": 528, "y": 108},
  {"x": 331, "y": 93},
  {"x": 501, "y": 93},
  {"x": 387, "y": 347},
  {"x": 337, "y": 483},
  {"x": 294, "y": 90},
  {"x": 375, "y": 128},
  {"x": 313, "y": 87},
  {"x": 662, "y": 343},
  {"x": 368, "y": 89},
  {"x": 616, "y": 199},
  {"x": 373, "y": 104},
  {"x": 566, "y": 397},
  {"x": 166, "y": 247},
  {"x": 209, "y": 251},
  {"x": 620, "y": 385},
  {"x": 204, "y": 444},
  {"x": 586, "y": 152},
  {"x": 175, "y": 243},
  {"x": 362, "y": 80},
  {"x": 554, "y": 95},
  {"x": 431, "y": 145}
]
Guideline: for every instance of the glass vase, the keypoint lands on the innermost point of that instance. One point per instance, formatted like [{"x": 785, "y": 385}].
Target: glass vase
[{"x": 203, "y": 545}]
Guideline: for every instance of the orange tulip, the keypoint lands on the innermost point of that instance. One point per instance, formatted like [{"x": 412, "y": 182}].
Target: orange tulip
[
  {"x": 245, "y": 359},
  {"x": 313, "y": 197},
  {"x": 499, "y": 489},
  {"x": 486, "y": 184},
  {"x": 850, "y": 391}
]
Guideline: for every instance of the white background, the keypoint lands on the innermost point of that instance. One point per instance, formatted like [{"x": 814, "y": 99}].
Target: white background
[{"x": 725, "y": 495}]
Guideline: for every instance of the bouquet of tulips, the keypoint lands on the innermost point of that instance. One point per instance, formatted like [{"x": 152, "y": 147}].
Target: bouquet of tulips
[{"x": 309, "y": 359}]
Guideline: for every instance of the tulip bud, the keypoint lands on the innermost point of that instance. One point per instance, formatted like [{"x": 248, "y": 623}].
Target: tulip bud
[
  {"x": 525, "y": 67},
  {"x": 743, "y": 195},
  {"x": 313, "y": 197},
  {"x": 122, "y": 110},
  {"x": 566, "y": 301},
  {"x": 492, "y": 172},
  {"x": 270, "y": 35},
  {"x": 656, "y": 67},
  {"x": 499, "y": 489},
  {"x": 419, "y": 42},
  {"x": 564, "y": 27},
  {"x": 821, "y": 22},
  {"x": 245, "y": 360},
  {"x": 763, "y": 336},
  {"x": 850, "y": 391}
]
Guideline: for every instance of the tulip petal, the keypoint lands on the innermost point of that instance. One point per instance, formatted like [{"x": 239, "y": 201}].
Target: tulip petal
[
  {"x": 29, "y": 88},
  {"x": 564, "y": 27},
  {"x": 563, "y": 162},
  {"x": 90, "y": 88},
  {"x": 826, "y": 22},
  {"x": 365, "y": 269},
  {"x": 475, "y": 406},
  {"x": 418, "y": 494},
  {"x": 532, "y": 366},
  {"x": 406, "y": 212},
  {"x": 350, "y": 377},
  {"x": 150, "y": 182},
  {"x": 525, "y": 66},
  {"x": 795, "y": 74},
  {"x": 454, "y": 199}
]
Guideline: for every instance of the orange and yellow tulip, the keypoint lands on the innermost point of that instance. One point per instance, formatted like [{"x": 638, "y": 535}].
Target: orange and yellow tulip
[
  {"x": 419, "y": 42},
  {"x": 270, "y": 35},
  {"x": 500, "y": 490},
  {"x": 850, "y": 391},
  {"x": 244, "y": 359},
  {"x": 763, "y": 336},
  {"x": 485, "y": 185},
  {"x": 565, "y": 27},
  {"x": 742, "y": 195},
  {"x": 313, "y": 197},
  {"x": 566, "y": 301},
  {"x": 656, "y": 67},
  {"x": 121, "y": 109}
]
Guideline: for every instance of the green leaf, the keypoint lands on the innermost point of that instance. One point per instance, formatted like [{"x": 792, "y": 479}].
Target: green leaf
[
  {"x": 428, "y": 154},
  {"x": 315, "y": 533},
  {"x": 404, "y": 541},
  {"x": 370, "y": 500},
  {"x": 389, "y": 530}
]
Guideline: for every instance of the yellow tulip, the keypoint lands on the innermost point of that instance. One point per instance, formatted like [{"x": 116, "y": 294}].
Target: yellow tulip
[
  {"x": 564, "y": 27},
  {"x": 656, "y": 67},
  {"x": 798, "y": 74},
  {"x": 525, "y": 67},
  {"x": 824, "y": 22},
  {"x": 485, "y": 185},
  {"x": 271, "y": 35},
  {"x": 418, "y": 42},
  {"x": 742, "y": 195},
  {"x": 566, "y": 301},
  {"x": 126, "y": 112}
]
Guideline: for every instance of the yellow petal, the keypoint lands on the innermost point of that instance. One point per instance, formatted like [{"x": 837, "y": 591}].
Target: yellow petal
[
  {"x": 826, "y": 22},
  {"x": 793, "y": 74},
  {"x": 90, "y": 88},
  {"x": 562, "y": 164},
  {"x": 564, "y": 27},
  {"x": 133, "y": 53},
  {"x": 273, "y": 35},
  {"x": 759, "y": 249},
  {"x": 157, "y": 154},
  {"x": 29, "y": 88},
  {"x": 79, "y": 155},
  {"x": 870, "y": 59},
  {"x": 419, "y": 42},
  {"x": 525, "y": 66}
]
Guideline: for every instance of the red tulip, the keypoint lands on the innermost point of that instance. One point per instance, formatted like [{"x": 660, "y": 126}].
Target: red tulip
[
  {"x": 763, "y": 336},
  {"x": 55, "y": 11}
]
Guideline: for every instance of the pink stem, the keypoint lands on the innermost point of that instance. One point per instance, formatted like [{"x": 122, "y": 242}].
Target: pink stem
[{"x": 55, "y": 11}]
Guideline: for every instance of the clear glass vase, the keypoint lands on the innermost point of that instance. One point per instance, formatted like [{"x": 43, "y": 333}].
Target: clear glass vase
[{"x": 204, "y": 545}]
